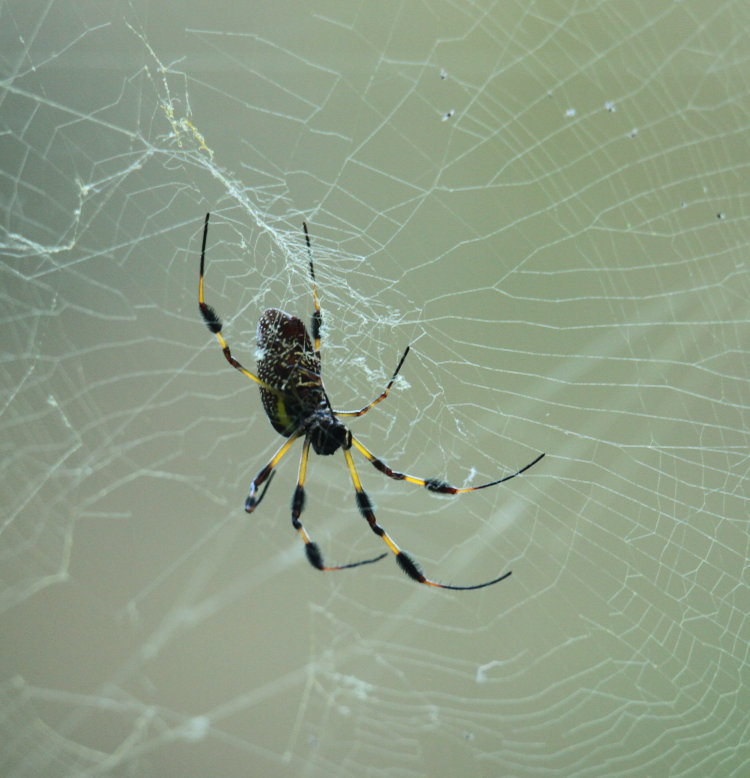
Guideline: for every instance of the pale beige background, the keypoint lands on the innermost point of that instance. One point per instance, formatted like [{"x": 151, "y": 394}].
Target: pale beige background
[{"x": 567, "y": 253}]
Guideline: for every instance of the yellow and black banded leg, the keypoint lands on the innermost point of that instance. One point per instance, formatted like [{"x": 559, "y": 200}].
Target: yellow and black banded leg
[
  {"x": 213, "y": 322},
  {"x": 382, "y": 396},
  {"x": 405, "y": 561},
  {"x": 317, "y": 317},
  {"x": 317, "y": 323},
  {"x": 314, "y": 554},
  {"x": 266, "y": 475},
  {"x": 432, "y": 484}
]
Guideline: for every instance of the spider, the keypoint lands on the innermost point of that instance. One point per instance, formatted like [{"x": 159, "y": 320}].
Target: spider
[{"x": 297, "y": 405}]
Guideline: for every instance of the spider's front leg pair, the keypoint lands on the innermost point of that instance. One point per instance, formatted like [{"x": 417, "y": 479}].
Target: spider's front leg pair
[
  {"x": 405, "y": 560},
  {"x": 314, "y": 555}
]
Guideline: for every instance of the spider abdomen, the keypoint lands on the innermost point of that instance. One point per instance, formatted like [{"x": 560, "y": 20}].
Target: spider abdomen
[{"x": 288, "y": 363}]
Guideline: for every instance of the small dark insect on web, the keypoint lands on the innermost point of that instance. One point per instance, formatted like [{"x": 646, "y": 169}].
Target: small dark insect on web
[{"x": 297, "y": 405}]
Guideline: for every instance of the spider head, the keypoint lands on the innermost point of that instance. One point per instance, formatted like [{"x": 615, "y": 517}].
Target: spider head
[{"x": 328, "y": 435}]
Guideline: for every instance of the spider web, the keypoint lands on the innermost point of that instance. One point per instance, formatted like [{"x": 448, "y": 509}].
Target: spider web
[{"x": 549, "y": 201}]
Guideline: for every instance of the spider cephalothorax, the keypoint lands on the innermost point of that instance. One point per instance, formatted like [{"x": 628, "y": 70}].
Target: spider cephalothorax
[
  {"x": 328, "y": 434},
  {"x": 296, "y": 403}
]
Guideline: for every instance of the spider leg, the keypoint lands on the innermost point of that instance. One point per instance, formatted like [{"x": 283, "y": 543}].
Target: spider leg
[
  {"x": 432, "y": 484},
  {"x": 213, "y": 322},
  {"x": 267, "y": 474},
  {"x": 405, "y": 561},
  {"x": 382, "y": 396},
  {"x": 317, "y": 323},
  {"x": 314, "y": 554},
  {"x": 317, "y": 317}
]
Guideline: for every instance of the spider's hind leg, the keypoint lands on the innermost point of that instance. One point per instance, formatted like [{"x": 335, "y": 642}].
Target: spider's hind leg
[
  {"x": 317, "y": 317},
  {"x": 212, "y": 320}
]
